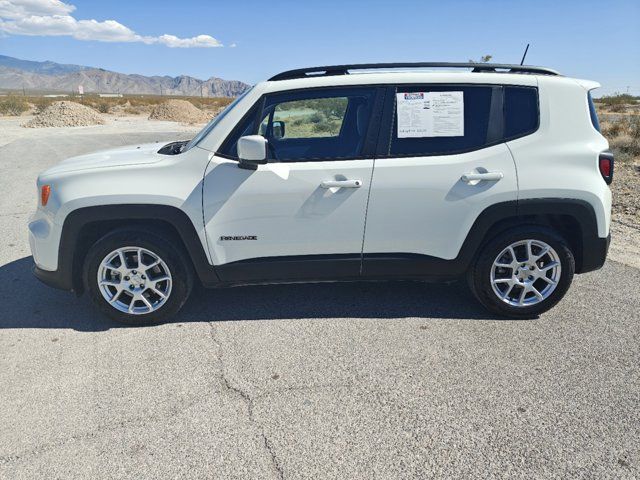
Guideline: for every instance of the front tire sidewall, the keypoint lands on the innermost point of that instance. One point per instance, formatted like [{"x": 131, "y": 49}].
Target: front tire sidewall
[
  {"x": 182, "y": 282},
  {"x": 480, "y": 275}
]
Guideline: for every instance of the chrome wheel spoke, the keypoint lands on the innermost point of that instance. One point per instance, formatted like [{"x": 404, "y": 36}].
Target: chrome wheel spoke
[
  {"x": 529, "y": 250},
  {"x": 544, "y": 251},
  {"x": 146, "y": 302},
  {"x": 115, "y": 297},
  {"x": 549, "y": 266},
  {"x": 152, "y": 264},
  {"x": 158, "y": 292},
  {"x": 548, "y": 280},
  {"x": 536, "y": 292},
  {"x": 523, "y": 293}
]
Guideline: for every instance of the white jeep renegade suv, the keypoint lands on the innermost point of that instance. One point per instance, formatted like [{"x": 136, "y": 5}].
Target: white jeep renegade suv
[{"x": 498, "y": 174}]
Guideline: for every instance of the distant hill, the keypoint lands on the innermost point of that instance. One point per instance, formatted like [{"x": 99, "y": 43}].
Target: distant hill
[
  {"x": 47, "y": 68},
  {"x": 55, "y": 77}
]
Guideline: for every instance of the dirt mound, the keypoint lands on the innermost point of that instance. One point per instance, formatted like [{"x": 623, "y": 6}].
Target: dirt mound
[
  {"x": 179, "y": 111},
  {"x": 65, "y": 114}
]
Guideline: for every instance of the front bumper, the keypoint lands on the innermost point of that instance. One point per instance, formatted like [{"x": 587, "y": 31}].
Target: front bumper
[{"x": 52, "y": 278}]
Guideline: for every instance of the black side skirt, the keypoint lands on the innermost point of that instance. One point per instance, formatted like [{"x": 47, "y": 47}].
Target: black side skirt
[{"x": 339, "y": 267}]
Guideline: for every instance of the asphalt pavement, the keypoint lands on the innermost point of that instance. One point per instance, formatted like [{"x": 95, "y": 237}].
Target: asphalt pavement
[{"x": 345, "y": 381}]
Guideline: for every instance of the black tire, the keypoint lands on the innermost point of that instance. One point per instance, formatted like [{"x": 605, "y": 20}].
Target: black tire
[
  {"x": 479, "y": 275},
  {"x": 177, "y": 262}
]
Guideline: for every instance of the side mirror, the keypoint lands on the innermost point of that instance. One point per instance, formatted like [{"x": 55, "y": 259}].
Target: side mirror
[
  {"x": 252, "y": 151},
  {"x": 278, "y": 129}
]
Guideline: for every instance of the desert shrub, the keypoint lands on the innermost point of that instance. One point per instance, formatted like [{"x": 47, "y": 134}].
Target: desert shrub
[
  {"x": 13, "y": 105},
  {"x": 132, "y": 110},
  {"x": 618, "y": 99},
  {"x": 103, "y": 107},
  {"x": 624, "y": 137},
  {"x": 317, "y": 117},
  {"x": 612, "y": 129},
  {"x": 634, "y": 127},
  {"x": 40, "y": 104},
  {"x": 330, "y": 127}
]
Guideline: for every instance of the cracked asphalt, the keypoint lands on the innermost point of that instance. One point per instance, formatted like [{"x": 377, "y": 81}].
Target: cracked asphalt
[{"x": 344, "y": 381}]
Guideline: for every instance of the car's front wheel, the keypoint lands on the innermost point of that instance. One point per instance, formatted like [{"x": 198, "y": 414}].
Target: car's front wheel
[
  {"x": 523, "y": 272},
  {"x": 137, "y": 277}
]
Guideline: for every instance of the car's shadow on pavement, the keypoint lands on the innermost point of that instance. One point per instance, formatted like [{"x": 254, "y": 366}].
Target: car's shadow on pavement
[{"x": 27, "y": 303}]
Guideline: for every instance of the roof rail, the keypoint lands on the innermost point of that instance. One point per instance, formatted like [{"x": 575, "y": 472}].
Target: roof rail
[{"x": 344, "y": 69}]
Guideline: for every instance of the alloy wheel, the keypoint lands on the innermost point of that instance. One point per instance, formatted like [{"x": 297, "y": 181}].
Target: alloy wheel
[
  {"x": 525, "y": 273},
  {"x": 134, "y": 280}
]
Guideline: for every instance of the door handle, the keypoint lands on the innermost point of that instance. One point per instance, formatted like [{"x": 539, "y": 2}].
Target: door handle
[
  {"x": 476, "y": 177},
  {"x": 341, "y": 184}
]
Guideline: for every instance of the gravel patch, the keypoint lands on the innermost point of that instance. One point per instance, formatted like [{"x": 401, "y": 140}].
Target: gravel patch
[
  {"x": 179, "y": 111},
  {"x": 65, "y": 114}
]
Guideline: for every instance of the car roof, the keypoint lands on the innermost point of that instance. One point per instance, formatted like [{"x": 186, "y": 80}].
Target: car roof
[{"x": 401, "y": 77}]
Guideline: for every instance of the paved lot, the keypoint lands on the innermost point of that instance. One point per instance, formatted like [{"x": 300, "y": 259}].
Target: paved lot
[{"x": 348, "y": 381}]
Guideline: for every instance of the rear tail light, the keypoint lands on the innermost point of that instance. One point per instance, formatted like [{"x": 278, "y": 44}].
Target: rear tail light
[
  {"x": 605, "y": 164},
  {"x": 45, "y": 191}
]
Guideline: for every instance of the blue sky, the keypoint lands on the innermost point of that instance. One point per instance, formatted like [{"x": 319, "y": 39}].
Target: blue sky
[{"x": 588, "y": 39}]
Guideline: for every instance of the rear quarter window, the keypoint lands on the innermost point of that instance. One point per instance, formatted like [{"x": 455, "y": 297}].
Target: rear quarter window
[
  {"x": 593, "y": 113},
  {"x": 521, "y": 111}
]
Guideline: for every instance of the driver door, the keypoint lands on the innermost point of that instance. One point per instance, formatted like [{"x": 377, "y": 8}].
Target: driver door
[{"x": 300, "y": 216}]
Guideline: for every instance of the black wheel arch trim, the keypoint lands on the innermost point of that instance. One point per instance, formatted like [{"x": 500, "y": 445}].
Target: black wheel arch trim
[
  {"x": 590, "y": 253},
  {"x": 66, "y": 277}
]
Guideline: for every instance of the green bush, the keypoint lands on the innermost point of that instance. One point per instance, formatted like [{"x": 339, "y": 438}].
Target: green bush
[{"x": 13, "y": 105}]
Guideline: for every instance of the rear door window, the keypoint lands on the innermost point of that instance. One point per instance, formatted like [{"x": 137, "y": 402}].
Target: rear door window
[{"x": 464, "y": 127}]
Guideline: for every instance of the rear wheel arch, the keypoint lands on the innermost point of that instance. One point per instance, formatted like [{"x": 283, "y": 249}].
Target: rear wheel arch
[{"x": 575, "y": 220}]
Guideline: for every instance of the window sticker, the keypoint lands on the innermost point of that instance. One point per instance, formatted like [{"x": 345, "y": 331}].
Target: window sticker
[{"x": 430, "y": 114}]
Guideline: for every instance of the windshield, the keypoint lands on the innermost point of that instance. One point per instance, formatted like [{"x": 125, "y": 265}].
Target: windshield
[{"x": 211, "y": 125}]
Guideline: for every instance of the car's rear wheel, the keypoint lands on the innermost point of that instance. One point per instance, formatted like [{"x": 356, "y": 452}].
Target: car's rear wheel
[
  {"x": 523, "y": 272},
  {"x": 137, "y": 277}
]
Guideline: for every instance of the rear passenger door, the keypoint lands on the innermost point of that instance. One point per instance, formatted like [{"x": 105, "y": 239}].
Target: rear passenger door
[{"x": 435, "y": 173}]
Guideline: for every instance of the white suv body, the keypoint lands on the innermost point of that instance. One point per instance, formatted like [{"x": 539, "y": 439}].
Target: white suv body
[{"x": 333, "y": 190}]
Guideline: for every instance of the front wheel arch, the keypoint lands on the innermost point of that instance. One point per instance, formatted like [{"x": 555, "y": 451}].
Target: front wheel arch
[{"x": 84, "y": 226}]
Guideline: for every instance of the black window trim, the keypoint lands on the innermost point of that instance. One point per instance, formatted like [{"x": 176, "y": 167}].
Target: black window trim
[
  {"x": 371, "y": 138},
  {"x": 388, "y": 124}
]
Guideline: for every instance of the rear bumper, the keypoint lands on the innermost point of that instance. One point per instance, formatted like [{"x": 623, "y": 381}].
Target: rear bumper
[{"x": 594, "y": 253}]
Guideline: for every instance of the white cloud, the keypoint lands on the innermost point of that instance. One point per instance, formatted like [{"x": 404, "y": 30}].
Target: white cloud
[
  {"x": 51, "y": 18},
  {"x": 20, "y": 8}
]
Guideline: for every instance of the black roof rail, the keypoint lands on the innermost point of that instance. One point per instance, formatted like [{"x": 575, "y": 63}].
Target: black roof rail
[{"x": 344, "y": 69}]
